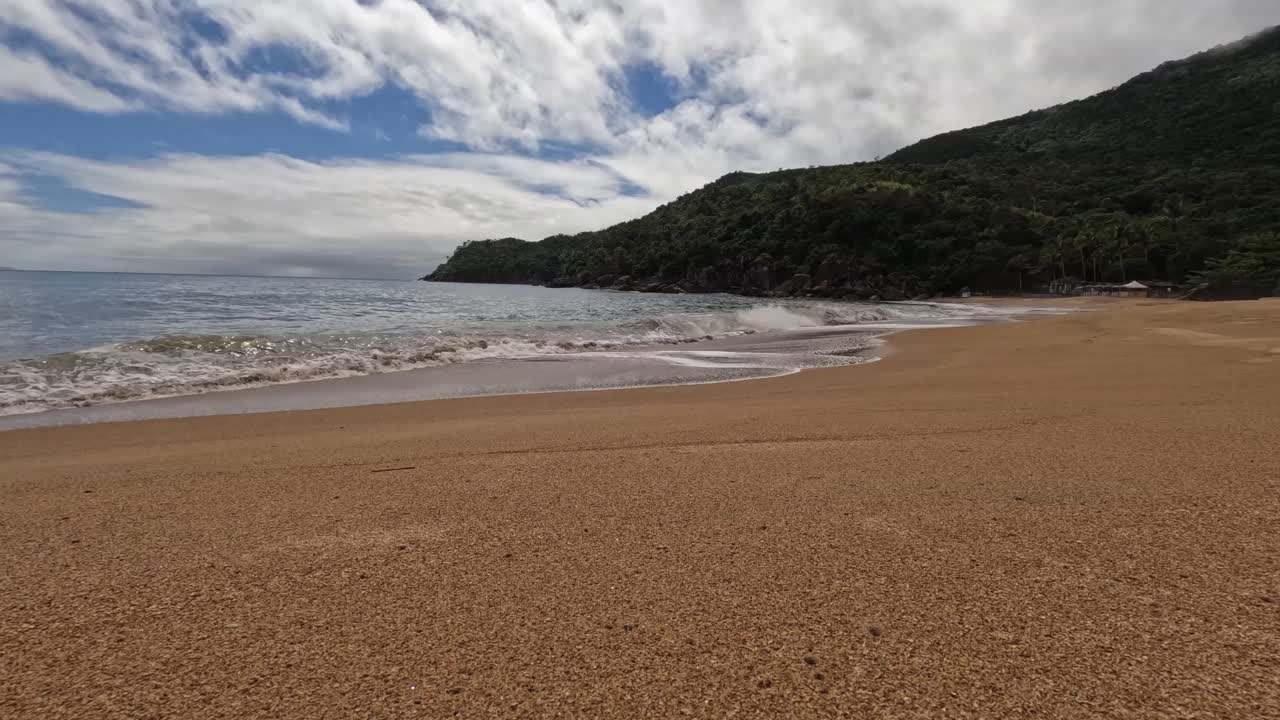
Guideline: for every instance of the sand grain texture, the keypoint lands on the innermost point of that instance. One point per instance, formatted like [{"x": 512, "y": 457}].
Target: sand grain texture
[{"x": 1071, "y": 517}]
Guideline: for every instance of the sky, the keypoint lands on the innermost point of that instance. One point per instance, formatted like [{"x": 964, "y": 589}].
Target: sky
[{"x": 367, "y": 138}]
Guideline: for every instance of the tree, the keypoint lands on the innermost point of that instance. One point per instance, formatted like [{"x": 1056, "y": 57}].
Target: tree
[{"x": 1254, "y": 263}]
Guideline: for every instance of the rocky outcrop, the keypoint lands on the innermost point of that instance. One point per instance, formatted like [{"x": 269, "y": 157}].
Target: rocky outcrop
[{"x": 753, "y": 283}]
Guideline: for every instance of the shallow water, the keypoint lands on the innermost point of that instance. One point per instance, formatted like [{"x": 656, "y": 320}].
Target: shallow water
[{"x": 99, "y": 346}]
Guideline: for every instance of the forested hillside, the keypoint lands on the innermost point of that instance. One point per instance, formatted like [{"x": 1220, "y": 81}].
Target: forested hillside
[{"x": 1174, "y": 175}]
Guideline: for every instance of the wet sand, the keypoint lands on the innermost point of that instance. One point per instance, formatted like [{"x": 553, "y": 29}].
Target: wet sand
[
  {"x": 1076, "y": 516},
  {"x": 723, "y": 360}
]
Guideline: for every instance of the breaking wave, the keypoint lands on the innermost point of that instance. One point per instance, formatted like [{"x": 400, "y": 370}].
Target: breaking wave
[{"x": 193, "y": 364}]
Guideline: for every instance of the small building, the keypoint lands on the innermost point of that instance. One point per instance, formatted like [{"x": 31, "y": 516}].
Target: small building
[
  {"x": 1163, "y": 289},
  {"x": 1064, "y": 286},
  {"x": 1133, "y": 289},
  {"x": 1145, "y": 288},
  {"x": 1099, "y": 289}
]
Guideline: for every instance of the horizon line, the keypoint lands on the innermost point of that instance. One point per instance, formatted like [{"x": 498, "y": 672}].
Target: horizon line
[{"x": 196, "y": 274}]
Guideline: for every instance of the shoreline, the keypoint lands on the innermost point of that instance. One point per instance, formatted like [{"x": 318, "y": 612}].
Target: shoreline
[
  {"x": 880, "y": 348},
  {"x": 1072, "y": 516},
  {"x": 637, "y": 367}
]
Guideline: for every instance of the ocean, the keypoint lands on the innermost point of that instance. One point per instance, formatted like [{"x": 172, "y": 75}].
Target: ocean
[{"x": 84, "y": 347}]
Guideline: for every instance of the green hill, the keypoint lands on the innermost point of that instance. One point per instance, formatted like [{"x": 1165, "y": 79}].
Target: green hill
[{"x": 1174, "y": 175}]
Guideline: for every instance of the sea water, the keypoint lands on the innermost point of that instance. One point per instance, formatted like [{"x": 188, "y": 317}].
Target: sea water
[{"x": 83, "y": 341}]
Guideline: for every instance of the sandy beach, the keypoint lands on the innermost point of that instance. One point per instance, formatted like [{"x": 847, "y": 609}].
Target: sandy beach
[{"x": 1074, "y": 516}]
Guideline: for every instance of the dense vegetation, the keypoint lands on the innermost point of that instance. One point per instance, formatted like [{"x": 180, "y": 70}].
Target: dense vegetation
[{"x": 1174, "y": 175}]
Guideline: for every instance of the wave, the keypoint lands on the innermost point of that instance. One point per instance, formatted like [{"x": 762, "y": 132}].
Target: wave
[{"x": 192, "y": 364}]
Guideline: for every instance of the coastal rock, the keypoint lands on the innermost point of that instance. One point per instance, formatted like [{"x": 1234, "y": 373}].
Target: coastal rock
[
  {"x": 862, "y": 292},
  {"x": 819, "y": 290},
  {"x": 798, "y": 284}
]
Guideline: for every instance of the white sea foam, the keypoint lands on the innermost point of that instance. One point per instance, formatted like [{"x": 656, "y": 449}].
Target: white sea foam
[{"x": 192, "y": 364}]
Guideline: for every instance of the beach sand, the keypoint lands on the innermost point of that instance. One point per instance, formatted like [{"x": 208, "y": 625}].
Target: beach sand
[{"x": 1075, "y": 516}]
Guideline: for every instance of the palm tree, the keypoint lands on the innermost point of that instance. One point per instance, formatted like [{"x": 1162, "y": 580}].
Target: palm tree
[{"x": 1120, "y": 245}]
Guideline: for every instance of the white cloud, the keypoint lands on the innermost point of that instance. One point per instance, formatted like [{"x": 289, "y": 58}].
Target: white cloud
[
  {"x": 762, "y": 85},
  {"x": 26, "y": 76},
  {"x": 833, "y": 77},
  {"x": 274, "y": 214}
]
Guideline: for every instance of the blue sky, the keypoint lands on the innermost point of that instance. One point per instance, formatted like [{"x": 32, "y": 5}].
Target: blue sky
[{"x": 336, "y": 137}]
